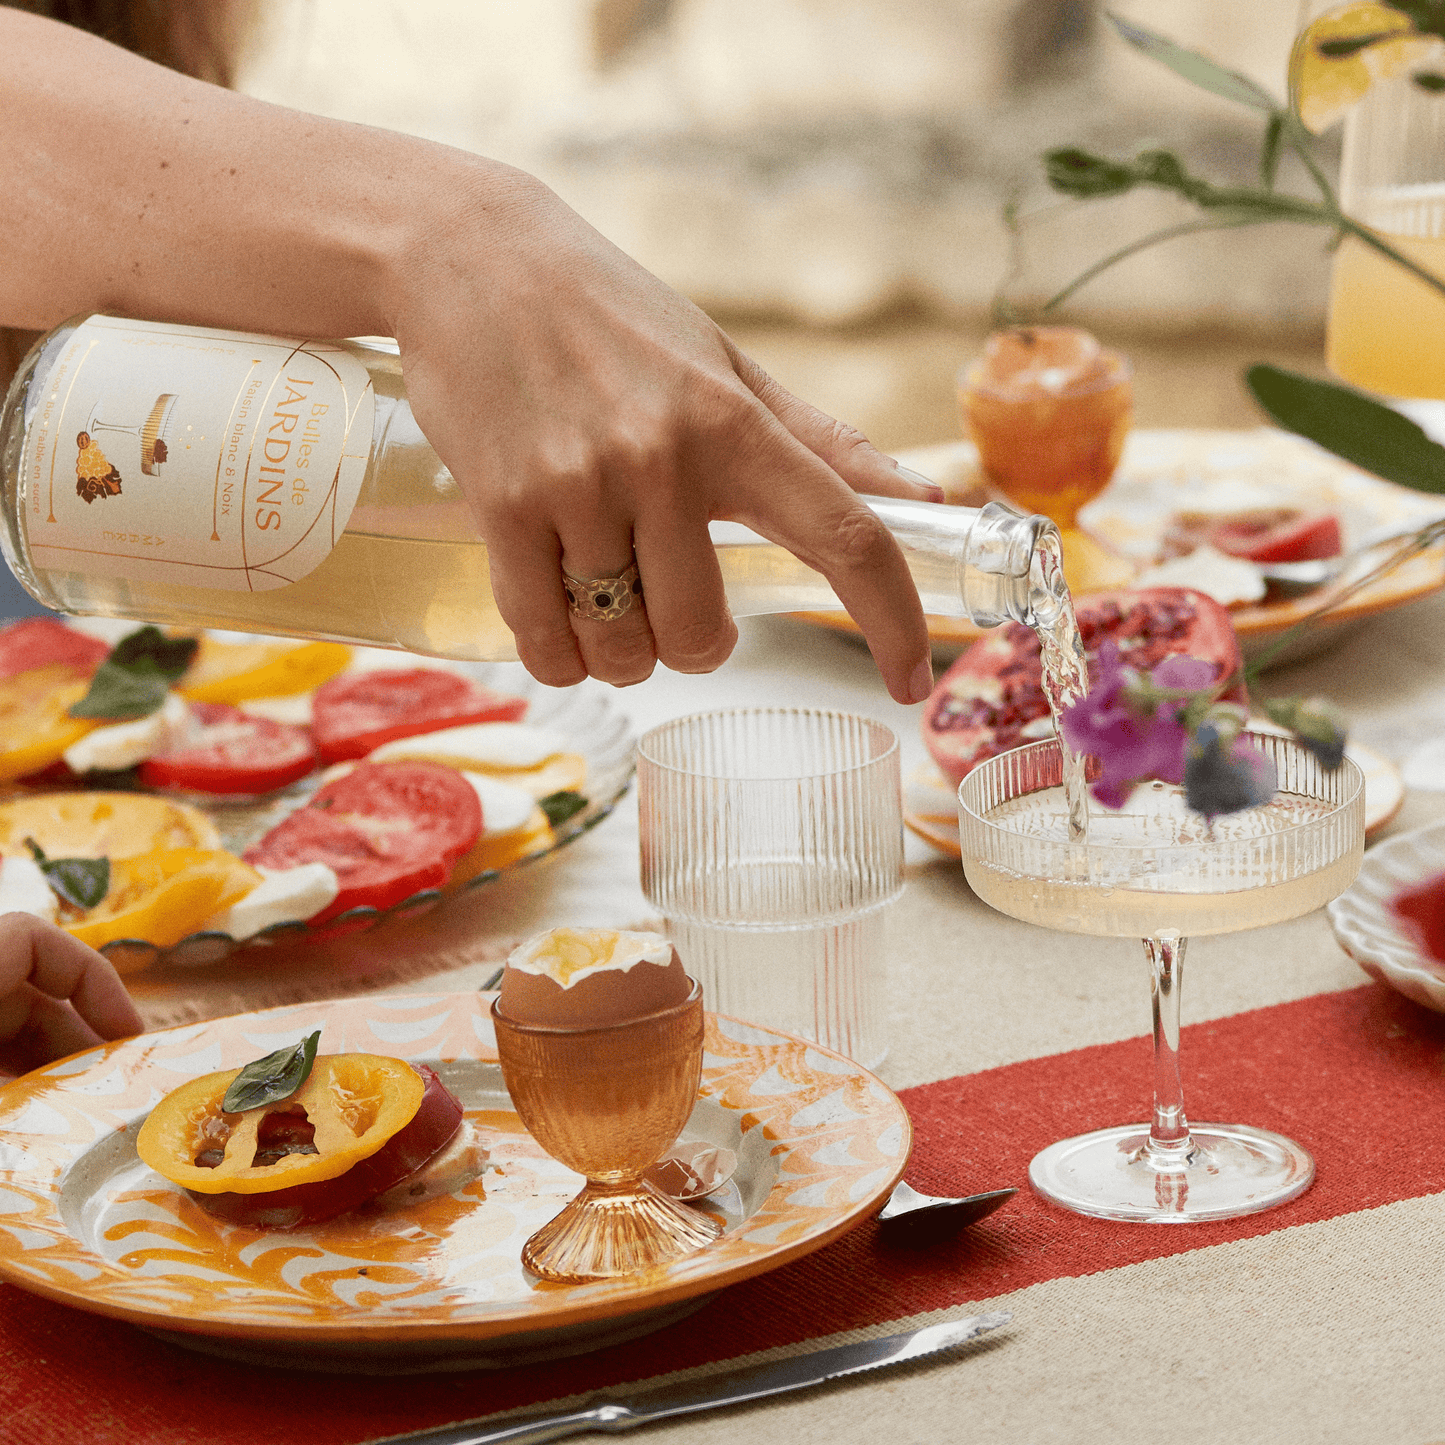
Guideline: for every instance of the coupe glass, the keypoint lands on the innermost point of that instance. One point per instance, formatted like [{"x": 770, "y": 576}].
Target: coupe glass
[{"x": 1157, "y": 871}]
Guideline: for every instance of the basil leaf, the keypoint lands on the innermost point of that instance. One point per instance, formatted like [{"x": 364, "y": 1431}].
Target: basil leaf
[
  {"x": 133, "y": 681},
  {"x": 1196, "y": 68},
  {"x": 80, "y": 881},
  {"x": 1352, "y": 425},
  {"x": 560, "y": 806},
  {"x": 276, "y": 1077}
]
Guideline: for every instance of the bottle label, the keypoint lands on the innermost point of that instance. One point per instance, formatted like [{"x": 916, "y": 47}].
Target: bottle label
[{"x": 203, "y": 458}]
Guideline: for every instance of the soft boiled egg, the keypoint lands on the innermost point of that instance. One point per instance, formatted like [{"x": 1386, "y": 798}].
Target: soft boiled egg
[{"x": 580, "y": 978}]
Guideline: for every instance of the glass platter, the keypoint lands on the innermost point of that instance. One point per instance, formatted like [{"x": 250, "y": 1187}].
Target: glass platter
[
  {"x": 438, "y": 1286},
  {"x": 585, "y": 715}
]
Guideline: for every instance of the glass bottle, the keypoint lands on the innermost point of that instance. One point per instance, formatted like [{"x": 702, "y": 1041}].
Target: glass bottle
[{"x": 204, "y": 478}]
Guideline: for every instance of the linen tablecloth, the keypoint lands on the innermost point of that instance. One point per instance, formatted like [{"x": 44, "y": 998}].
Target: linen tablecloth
[{"x": 1320, "y": 1321}]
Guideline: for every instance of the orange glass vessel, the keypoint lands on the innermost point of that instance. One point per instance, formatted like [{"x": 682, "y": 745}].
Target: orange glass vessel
[
  {"x": 607, "y": 1102},
  {"x": 1048, "y": 409}
]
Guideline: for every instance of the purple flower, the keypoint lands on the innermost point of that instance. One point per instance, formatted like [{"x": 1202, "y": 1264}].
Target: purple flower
[
  {"x": 1131, "y": 731},
  {"x": 1224, "y": 773}
]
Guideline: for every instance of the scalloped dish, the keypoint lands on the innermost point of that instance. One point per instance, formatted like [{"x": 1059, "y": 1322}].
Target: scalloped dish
[
  {"x": 282, "y": 790},
  {"x": 1368, "y": 929},
  {"x": 437, "y": 1285}
]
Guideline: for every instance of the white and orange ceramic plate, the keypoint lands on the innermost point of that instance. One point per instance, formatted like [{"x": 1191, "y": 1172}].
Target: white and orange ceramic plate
[
  {"x": 1164, "y": 470},
  {"x": 819, "y": 1140}
]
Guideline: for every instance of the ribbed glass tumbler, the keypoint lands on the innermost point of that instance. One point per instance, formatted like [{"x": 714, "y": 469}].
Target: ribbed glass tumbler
[{"x": 772, "y": 843}]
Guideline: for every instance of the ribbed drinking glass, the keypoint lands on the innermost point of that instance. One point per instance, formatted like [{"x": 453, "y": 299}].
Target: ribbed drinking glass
[{"x": 772, "y": 842}]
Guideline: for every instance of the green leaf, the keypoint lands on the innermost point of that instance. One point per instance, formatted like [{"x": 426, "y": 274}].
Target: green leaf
[
  {"x": 1352, "y": 45},
  {"x": 276, "y": 1077},
  {"x": 1269, "y": 151},
  {"x": 1196, "y": 68},
  {"x": 80, "y": 881},
  {"x": 133, "y": 681},
  {"x": 1352, "y": 425},
  {"x": 560, "y": 806},
  {"x": 1427, "y": 16},
  {"x": 1085, "y": 176}
]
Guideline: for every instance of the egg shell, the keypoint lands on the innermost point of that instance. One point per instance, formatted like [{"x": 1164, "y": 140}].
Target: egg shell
[{"x": 600, "y": 996}]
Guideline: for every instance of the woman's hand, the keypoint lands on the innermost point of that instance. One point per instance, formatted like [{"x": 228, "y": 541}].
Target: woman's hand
[
  {"x": 56, "y": 995},
  {"x": 589, "y": 412}
]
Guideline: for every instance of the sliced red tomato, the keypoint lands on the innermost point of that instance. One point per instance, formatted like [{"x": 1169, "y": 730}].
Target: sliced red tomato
[
  {"x": 1264, "y": 534},
  {"x": 436, "y": 1120},
  {"x": 992, "y": 698},
  {"x": 387, "y": 830},
  {"x": 44, "y": 642},
  {"x": 226, "y": 751},
  {"x": 352, "y": 715},
  {"x": 1289, "y": 537},
  {"x": 1421, "y": 908}
]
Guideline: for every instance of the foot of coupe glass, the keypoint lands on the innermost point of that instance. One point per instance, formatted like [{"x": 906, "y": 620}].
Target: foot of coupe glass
[{"x": 1164, "y": 1171}]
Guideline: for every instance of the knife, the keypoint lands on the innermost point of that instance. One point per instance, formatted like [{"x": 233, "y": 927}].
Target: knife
[{"x": 734, "y": 1388}]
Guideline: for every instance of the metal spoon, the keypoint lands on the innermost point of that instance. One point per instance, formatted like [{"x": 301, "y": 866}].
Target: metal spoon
[{"x": 908, "y": 1207}]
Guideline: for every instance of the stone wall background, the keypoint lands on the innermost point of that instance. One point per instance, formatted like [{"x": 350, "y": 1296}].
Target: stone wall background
[{"x": 832, "y": 162}]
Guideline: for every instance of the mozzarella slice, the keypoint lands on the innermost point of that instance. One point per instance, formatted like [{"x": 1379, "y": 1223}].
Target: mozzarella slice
[
  {"x": 123, "y": 745},
  {"x": 487, "y": 747},
  {"x": 504, "y": 808},
  {"x": 295, "y": 709},
  {"x": 458, "y": 1163},
  {"x": 1227, "y": 579},
  {"x": 284, "y": 895},
  {"x": 23, "y": 889}
]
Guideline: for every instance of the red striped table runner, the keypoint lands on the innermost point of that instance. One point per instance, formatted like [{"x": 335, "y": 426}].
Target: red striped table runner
[{"x": 1356, "y": 1077}]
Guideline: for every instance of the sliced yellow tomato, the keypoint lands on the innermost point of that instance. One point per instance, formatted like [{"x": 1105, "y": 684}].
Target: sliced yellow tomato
[
  {"x": 161, "y": 897},
  {"x": 355, "y": 1103},
  {"x": 1322, "y": 87},
  {"x": 502, "y": 849},
  {"x": 102, "y": 825},
  {"x": 35, "y": 725},
  {"x": 236, "y": 672}
]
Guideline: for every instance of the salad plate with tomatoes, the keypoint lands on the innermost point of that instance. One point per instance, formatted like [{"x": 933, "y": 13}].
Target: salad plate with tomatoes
[
  {"x": 1204, "y": 510},
  {"x": 172, "y": 799}
]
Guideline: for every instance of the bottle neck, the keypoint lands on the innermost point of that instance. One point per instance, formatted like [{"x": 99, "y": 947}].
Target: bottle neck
[{"x": 987, "y": 564}]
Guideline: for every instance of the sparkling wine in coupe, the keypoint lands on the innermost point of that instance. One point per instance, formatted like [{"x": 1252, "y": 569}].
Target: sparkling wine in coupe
[{"x": 1156, "y": 871}]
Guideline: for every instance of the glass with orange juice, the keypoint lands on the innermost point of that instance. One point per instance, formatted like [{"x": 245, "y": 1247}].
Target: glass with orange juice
[{"x": 1386, "y": 330}]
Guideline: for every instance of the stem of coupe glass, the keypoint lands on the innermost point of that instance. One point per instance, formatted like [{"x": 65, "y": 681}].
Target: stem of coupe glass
[{"x": 1169, "y": 1145}]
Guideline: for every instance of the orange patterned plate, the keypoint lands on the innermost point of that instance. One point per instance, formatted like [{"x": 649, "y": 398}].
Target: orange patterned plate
[{"x": 819, "y": 1141}]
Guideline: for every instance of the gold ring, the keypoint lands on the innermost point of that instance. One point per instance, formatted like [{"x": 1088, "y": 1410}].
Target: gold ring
[{"x": 603, "y": 599}]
